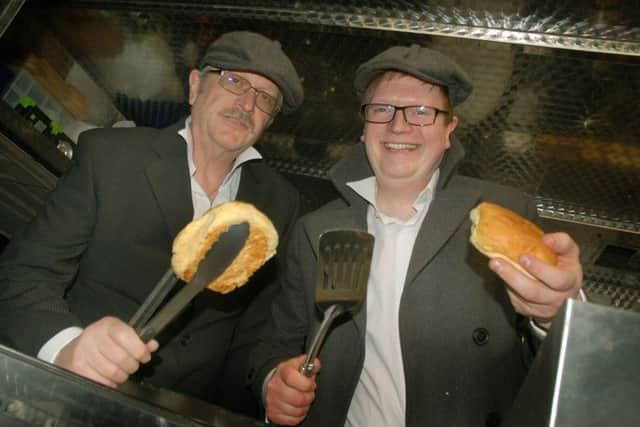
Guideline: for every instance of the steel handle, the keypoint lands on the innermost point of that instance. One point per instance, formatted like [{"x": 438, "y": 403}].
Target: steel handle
[
  {"x": 152, "y": 302},
  {"x": 329, "y": 316}
]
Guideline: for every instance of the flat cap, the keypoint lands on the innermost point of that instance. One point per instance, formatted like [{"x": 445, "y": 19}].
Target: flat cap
[
  {"x": 252, "y": 52},
  {"x": 421, "y": 62}
]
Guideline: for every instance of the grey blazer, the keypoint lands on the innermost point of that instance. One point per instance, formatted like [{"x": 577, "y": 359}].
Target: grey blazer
[
  {"x": 462, "y": 350},
  {"x": 104, "y": 239}
]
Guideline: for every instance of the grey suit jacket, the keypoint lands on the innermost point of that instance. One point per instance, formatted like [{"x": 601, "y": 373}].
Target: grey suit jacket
[
  {"x": 462, "y": 352},
  {"x": 103, "y": 241}
]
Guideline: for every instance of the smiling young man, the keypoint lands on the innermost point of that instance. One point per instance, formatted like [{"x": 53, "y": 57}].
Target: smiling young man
[
  {"x": 73, "y": 278},
  {"x": 437, "y": 342}
]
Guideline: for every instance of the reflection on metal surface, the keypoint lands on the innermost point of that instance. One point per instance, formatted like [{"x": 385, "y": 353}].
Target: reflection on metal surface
[
  {"x": 585, "y": 372},
  {"x": 553, "y": 113},
  {"x": 530, "y": 30},
  {"x": 612, "y": 294},
  {"x": 35, "y": 393},
  {"x": 605, "y": 27},
  {"x": 8, "y": 11}
]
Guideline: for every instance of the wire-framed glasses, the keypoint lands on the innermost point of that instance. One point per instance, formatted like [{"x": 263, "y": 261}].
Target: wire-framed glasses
[{"x": 238, "y": 85}]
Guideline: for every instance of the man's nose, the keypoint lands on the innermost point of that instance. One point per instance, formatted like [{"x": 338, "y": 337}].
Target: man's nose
[
  {"x": 247, "y": 100},
  {"x": 399, "y": 122}
]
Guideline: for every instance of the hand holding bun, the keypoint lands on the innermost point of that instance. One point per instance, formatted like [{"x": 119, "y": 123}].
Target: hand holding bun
[
  {"x": 195, "y": 239},
  {"x": 500, "y": 233}
]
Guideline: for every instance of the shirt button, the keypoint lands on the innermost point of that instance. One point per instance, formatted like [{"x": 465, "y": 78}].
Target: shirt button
[{"x": 480, "y": 336}]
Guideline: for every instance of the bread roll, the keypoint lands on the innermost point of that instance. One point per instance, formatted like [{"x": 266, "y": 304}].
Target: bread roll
[
  {"x": 500, "y": 233},
  {"x": 195, "y": 239}
]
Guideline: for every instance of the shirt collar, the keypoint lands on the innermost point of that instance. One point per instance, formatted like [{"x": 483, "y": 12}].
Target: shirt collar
[
  {"x": 366, "y": 188},
  {"x": 248, "y": 154}
]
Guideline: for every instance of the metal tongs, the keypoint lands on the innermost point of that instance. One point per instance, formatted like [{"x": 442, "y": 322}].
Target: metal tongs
[{"x": 214, "y": 263}]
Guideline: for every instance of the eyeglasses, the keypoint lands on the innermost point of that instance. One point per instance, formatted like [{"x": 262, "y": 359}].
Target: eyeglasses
[
  {"x": 239, "y": 85},
  {"x": 415, "y": 115}
]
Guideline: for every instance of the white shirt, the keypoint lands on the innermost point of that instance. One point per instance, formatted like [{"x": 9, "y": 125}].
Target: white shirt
[
  {"x": 201, "y": 203},
  {"x": 379, "y": 398},
  {"x": 229, "y": 188}
]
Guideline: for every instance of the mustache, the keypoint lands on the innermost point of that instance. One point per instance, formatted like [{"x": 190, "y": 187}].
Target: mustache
[{"x": 239, "y": 115}]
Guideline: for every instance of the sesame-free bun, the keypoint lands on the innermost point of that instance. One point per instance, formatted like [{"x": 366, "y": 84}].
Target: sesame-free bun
[
  {"x": 195, "y": 239},
  {"x": 498, "y": 232}
]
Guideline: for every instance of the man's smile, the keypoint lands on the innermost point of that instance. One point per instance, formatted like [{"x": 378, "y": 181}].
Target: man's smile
[{"x": 399, "y": 146}]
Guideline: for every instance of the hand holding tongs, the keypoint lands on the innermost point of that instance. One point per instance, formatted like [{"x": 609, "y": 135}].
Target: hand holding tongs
[{"x": 214, "y": 263}]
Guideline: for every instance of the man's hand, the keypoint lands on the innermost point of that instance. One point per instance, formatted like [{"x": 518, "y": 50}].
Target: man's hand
[
  {"x": 541, "y": 299},
  {"x": 289, "y": 393},
  {"x": 107, "y": 351}
]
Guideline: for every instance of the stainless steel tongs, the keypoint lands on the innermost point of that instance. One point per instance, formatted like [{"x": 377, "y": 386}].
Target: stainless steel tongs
[{"x": 214, "y": 263}]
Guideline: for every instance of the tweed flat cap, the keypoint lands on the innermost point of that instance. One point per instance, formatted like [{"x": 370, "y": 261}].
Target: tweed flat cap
[
  {"x": 247, "y": 51},
  {"x": 421, "y": 62}
]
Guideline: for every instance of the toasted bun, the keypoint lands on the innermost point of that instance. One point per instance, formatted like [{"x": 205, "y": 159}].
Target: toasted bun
[
  {"x": 500, "y": 233},
  {"x": 195, "y": 239}
]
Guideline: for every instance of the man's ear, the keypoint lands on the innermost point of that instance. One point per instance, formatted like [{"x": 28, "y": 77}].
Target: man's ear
[
  {"x": 194, "y": 85},
  {"x": 451, "y": 126}
]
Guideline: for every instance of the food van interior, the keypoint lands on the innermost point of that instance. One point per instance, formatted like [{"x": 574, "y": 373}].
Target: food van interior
[{"x": 554, "y": 112}]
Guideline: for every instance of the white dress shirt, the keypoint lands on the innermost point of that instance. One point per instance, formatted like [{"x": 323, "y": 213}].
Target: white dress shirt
[
  {"x": 201, "y": 203},
  {"x": 379, "y": 399}
]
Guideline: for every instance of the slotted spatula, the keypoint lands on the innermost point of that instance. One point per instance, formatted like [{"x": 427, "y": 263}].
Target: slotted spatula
[{"x": 344, "y": 261}]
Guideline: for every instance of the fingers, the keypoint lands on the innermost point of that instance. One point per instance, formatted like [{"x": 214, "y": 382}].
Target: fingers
[
  {"x": 107, "y": 351},
  {"x": 129, "y": 348},
  {"x": 566, "y": 275},
  {"x": 108, "y": 372},
  {"x": 289, "y": 393},
  {"x": 542, "y": 296},
  {"x": 529, "y": 297},
  {"x": 152, "y": 346},
  {"x": 562, "y": 244}
]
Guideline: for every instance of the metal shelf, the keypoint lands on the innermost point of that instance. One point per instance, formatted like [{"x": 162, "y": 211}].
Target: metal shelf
[{"x": 608, "y": 27}]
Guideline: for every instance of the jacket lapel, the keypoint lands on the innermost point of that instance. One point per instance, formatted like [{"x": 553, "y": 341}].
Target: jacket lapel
[
  {"x": 250, "y": 189},
  {"x": 444, "y": 217},
  {"x": 168, "y": 176}
]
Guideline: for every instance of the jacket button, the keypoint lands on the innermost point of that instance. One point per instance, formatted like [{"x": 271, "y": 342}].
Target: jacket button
[
  {"x": 480, "y": 336},
  {"x": 185, "y": 340}
]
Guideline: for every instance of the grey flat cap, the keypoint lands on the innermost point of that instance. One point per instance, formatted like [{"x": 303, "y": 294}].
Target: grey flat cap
[
  {"x": 247, "y": 51},
  {"x": 421, "y": 62}
]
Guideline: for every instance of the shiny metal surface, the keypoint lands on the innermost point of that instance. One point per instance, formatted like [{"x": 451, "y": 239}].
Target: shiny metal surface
[
  {"x": 8, "y": 10},
  {"x": 585, "y": 372},
  {"x": 549, "y": 118},
  {"x": 600, "y": 26},
  {"x": 35, "y": 393}
]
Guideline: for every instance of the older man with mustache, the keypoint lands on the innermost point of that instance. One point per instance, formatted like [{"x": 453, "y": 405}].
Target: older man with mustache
[{"x": 71, "y": 280}]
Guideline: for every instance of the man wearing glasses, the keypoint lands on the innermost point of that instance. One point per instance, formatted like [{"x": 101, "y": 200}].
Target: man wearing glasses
[
  {"x": 70, "y": 282},
  {"x": 437, "y": 342}
]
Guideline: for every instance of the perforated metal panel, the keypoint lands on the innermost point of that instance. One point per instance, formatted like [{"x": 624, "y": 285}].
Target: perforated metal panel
[{"x": 554, "y": 112}]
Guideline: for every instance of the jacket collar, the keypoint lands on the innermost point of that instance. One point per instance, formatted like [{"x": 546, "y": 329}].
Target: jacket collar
[
  {"x": 451, "y": 205},
  {"x": 355, "y": 167},
  {"x": 169, "y": 178}
]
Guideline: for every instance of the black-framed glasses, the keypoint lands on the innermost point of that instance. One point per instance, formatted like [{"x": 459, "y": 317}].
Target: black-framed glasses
[
  {"x": 415, "y": 115},
  {"x": 238, "y": 85}
]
